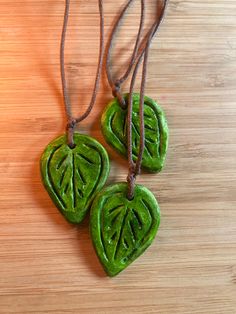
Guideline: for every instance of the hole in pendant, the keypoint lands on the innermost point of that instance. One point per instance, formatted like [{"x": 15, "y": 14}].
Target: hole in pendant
[
  {"x": 130, "y": 198},
  {"x": 126, "y": 103},
  {"x": 71, "y": 146},
  {"x": 125, "y": 107}
]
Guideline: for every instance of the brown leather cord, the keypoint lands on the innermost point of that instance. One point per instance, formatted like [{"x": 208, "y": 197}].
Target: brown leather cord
[
  {"x": 72, "y": 122},
  {"x": 138, "y": 56},
  {"x": 115, "y": 84},
  {"x": 135, "y": 168}
]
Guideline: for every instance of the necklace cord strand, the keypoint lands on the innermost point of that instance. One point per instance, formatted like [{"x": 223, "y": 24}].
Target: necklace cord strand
[
  {"x": 72, "y": 122},
  {"x": 135, "y": 168},
  {"x": 115, "y": 84}
]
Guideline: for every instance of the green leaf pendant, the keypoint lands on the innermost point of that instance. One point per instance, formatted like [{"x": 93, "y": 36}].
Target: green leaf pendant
[
  {"x": 114, "y": 128},
  {"x": 72, "y": 176},
  {"x": 121, "y": 229}
]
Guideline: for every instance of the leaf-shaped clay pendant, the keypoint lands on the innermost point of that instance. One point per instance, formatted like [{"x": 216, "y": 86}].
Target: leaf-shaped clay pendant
[
  {"x": 72, "y": 176},
  {"x": 114, "y": 128},
  {"x": 121, "y": 229}
]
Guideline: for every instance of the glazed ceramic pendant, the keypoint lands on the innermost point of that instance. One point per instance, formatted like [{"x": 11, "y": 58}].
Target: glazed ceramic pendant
[
  {"x": 114, "y": 129},
  {"x": 72, "y": 176},
  {"x": 125, "y": 217},
  {"x": 122, "y": 229}
]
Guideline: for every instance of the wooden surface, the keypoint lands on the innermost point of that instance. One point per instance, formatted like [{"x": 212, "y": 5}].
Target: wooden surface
[{"x": 49, "y": 266}]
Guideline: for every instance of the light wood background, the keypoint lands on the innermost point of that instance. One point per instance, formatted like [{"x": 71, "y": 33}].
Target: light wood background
[{"x": 49, "y": 266}]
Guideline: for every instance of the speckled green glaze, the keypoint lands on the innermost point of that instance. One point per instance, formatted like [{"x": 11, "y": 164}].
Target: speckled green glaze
[
  {"x": 73, "y": 176},
  {"x": 114, "y": 129},
  {"x": 121, "y": 230}
]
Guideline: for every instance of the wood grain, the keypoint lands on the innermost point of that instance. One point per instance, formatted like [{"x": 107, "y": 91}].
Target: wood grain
[{"x": 49, "y": 266}]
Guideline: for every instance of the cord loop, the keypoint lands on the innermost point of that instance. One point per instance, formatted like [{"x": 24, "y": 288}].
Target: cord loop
[{"x": 131, "y": 178}]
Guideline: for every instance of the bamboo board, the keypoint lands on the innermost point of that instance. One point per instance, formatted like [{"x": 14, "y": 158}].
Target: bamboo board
[{"x": 49, "y": 266}]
